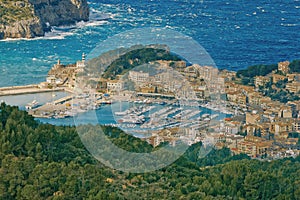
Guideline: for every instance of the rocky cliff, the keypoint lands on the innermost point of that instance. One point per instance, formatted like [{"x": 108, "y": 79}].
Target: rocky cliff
[{"x": 31, "y": 18}]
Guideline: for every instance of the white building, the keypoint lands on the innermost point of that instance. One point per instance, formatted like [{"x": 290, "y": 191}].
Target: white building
[
  {"x": 138, "y": 77},
  {"x": 115, "y": 85},
  {"x": 296, "y": 125}
]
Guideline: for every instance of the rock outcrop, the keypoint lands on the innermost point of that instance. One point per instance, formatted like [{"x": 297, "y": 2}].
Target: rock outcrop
[
  {"x": 27, "y": 28},
  {"x": 32, "y": 18}
]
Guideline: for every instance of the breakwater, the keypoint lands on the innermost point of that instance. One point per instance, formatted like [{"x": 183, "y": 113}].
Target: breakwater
[{"x": 26, "y": 89}]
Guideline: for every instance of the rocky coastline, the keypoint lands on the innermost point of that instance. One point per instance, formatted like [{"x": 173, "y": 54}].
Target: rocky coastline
[{"x": 32, "y": 18}]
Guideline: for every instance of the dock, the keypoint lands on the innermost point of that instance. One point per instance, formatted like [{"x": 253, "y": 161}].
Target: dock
[
  {"x": 62, "y": 100},
  {"x": 55, "y": 108}
]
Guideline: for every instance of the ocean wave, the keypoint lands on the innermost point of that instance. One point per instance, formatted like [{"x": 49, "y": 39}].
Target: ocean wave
[
  {"x": 54, "y": 34},
  {"x": 97, "y": 18},
  {"x": 289, "y": 24},
  {"x": 96, "y": 15},
  {"x": 57, "y": 34},
  {"x": 20, "y": 39},
  {"x": 83, "y": 24}
]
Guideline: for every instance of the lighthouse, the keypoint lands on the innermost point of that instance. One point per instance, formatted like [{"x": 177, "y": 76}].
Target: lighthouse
[{"x": 80, "y": 65}]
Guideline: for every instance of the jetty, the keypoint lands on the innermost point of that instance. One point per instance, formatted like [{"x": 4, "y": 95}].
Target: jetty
[{"x": 62, "y": 100}]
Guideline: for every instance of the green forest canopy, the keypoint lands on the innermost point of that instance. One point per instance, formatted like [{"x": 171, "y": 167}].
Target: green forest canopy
[
  {"x": 263, "y": 70},
  {"x": 136, "y": 58},
  {"x": 42, "y": 161}
]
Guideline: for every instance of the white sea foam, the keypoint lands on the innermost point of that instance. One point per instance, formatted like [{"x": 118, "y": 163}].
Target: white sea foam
[
  {"x": 19, "y": 39},
  {"x": 57, "y": 34},
  {"x": 53, "y": 35},
  {"x": 289, "y": 24},
  {"x": 97, "y": 18}
]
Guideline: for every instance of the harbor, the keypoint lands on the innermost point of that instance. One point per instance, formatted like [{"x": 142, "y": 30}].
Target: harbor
[{"x": 169, "y": 109}]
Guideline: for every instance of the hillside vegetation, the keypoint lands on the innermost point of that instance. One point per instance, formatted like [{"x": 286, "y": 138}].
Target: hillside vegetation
[
  {"x": 14, "y": 10},
  {"x": 136, "y": 58},
  {"x": 247, "y": 75},
  {"x": 42, "y": 161},
  {"x": 263, "y": 70}
]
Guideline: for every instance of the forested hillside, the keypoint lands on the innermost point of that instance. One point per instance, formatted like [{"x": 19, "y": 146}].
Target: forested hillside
[
  {"x": 41, "y": 161},
  {"x": 136, "y": 58},
  {"x": 247, "y": 75}
]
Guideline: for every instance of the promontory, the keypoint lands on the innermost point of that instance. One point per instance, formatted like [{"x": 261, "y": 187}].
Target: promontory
[{"x": 32, "y": 18}]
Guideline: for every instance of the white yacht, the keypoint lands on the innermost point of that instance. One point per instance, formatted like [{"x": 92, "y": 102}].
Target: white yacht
[{"x": 32, "y": 105}]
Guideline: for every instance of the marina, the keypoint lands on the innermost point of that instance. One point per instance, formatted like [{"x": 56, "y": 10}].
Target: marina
[{"x": 158, "y": 117}]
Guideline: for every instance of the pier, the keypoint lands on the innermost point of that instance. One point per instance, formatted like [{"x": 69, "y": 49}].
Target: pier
[
  {"x": 59, "y": 108},
  {"x": 62, "y": 100}
]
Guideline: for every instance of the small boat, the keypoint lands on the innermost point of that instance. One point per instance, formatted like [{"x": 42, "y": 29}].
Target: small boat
[
  {"x": 32, "y": 105},
  {"x": 205, "y": 115},
  {"x": 214, "y": 116},
  {"x": 106, "y": 102},
  {"x": 121, "y": 113}
]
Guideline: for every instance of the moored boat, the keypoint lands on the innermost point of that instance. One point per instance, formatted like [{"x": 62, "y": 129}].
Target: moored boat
[{"x": 32, "y": 105}]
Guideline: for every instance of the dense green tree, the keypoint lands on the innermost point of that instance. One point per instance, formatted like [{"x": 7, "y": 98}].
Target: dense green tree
[
  {"x": 50, "y": 162},
  {"x": 136, "y": 58}
]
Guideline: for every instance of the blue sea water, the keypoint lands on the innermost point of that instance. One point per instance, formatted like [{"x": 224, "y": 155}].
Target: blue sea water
[{"x": 235, "y": 33}]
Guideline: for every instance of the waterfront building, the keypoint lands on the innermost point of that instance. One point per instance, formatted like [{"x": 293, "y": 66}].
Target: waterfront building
[
  {"x": 65, "y": 75},
  {"x": 233, "y": 140},
  {"x": 294, "y": 105},
  {"x": 252, "y": 129},
  {"x": 284, "y": 67},
  {"x": 138, "y": 77},
  {"x": 254, "y": 98},
  {"x": 51, "y": 79},
  {"x": 115, "y": 85},
  {"x": 237, "y": 98},
  {"x": 254, "y": 146},
  {"x": 232, "y": 127},
  {"x": 292, "y": 77},
  {"x": 191, "y": 72},
  {"x": 285, "y": 112},
  {"x": 293, "y": 87},
  {"x": 253, "y": 118},
  {"x": 261, "y": 80},
  {"x": 202, "y": 92},
  {"x": 277, "y": 77},
  {"x": 231, "y": 86},
  {"x": 296, "y": 125},
  {"x": 280, "y": 128}
]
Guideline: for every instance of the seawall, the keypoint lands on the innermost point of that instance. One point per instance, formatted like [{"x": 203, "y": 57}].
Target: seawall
[{"x": 26, "y": 89}]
